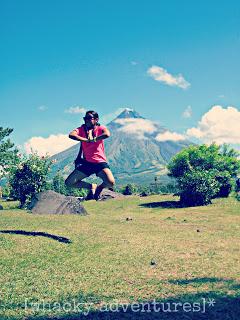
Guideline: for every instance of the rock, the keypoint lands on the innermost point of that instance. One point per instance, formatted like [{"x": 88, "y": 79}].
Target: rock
[
  {"x": 1, "y": 207},
  {"x": 128, "y": 219},
  {"x": 198, "y": 230},
  {"x": 51, "y": 202},
  {"x": 144, "y": 194},
  {"x": 107, "y": 194},
  {"x": 153, "y": 262}
]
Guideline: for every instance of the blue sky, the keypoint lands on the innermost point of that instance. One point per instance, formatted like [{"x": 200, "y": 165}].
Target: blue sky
[{"x": 57, "y": 55}]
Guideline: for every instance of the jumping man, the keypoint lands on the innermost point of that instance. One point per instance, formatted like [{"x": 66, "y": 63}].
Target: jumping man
[{"x": 91, "y": 135}]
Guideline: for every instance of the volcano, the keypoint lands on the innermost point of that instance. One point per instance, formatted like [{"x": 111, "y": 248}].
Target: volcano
[{"x": 136, "y": 150}]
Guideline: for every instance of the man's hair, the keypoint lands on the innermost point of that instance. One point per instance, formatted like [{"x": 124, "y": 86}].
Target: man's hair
[{"x": 93, "y": 113}]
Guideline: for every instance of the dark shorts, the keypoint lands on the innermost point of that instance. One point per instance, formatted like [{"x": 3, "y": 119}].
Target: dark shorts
[{"x": 89, "y": 168}]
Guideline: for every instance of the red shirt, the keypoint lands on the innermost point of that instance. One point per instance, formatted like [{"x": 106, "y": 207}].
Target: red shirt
[{"x": 93, "y": 151}]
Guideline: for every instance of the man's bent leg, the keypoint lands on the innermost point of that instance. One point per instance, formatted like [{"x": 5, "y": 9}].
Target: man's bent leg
[
  {"x": 74, "y": 180},
  {"x": 108, "y": 181}
]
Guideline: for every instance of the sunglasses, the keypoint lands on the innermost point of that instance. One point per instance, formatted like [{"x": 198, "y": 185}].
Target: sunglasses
[{"x": 88, "y": 118}]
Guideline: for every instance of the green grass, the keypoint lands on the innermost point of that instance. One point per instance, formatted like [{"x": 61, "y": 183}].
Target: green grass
[{"x": 109, "y": 259}]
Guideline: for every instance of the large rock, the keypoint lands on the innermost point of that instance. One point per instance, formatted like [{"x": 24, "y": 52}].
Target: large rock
[{"x": 51, "y": 202}]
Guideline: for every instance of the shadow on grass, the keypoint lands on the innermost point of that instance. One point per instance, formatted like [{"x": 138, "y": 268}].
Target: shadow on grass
[
  {"x": 207, "y": 305},
  {"x": 202, "y": 281},
  {"x": 37, "y": 234},
  {"x": 162, "y": 204}
]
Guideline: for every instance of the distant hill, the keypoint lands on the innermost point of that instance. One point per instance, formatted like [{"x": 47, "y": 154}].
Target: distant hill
[{"x": 133, "y": 150}]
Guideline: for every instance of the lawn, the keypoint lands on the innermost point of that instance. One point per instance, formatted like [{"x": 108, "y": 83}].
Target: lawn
[{"x": 184, "y": 261}]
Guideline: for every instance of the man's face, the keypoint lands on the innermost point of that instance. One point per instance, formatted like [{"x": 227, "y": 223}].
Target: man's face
[{"x": 90, "y": 121}]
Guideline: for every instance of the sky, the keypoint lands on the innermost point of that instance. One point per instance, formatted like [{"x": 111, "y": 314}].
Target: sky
[{"x": 175, "y": 62}]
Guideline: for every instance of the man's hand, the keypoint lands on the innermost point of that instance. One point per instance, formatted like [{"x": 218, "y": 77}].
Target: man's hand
[{"x": 92, "y": 139}]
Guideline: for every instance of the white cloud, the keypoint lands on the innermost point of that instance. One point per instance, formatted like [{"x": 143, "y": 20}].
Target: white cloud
[
  {"x": 218, "y": 125},
  {"x": 76, "y": 110},
  {"x": 42, "y": 108},
  {"x": 137, "y": 127},
  {"x": 169, "y": 136},
  {"x": 160, "y": 74},
  {"x": 50, "y": 145},
  {"x": 187, "y": 113}
]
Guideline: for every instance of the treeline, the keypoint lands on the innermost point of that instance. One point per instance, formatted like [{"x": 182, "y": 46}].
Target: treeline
[{"x": 146, "y": 190}]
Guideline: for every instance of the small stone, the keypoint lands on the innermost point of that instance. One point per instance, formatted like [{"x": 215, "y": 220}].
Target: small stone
[
  {"x": 153, "y": 262},
  {"x": 128, "y": 219},
  {"x": 198, "y": 230}
]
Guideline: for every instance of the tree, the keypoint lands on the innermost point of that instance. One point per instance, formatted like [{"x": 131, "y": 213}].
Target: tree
[
  {"x": 204, "y": 172},
  {"x": 8, "y": 154},
  {"x": 29, "y": 177}
]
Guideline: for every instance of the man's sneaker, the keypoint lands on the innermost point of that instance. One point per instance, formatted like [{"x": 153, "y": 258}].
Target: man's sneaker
[
  {"x": 97, "y": 193},
  {"x": 90, "y": 195}
]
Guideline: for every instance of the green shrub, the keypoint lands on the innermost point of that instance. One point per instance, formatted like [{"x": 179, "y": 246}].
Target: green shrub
[
  {"x": 238, "y": 196},
  {"x": 29, "y": 178},
  {"x": 204, "y": 172},
  {"x": 198, "y": 188},
  {"x": 58, "y": 184},
  {"x": 77, "y": 192},
  {"x": 130, "y": 189},
  {"x": 226, "y": 184},
  {"x": 6, "y": 191}
]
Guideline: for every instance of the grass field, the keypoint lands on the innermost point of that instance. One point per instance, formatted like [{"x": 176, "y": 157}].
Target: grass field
[{"x": 164, "y": 255}]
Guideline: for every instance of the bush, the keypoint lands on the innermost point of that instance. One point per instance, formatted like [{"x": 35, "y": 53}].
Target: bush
[
  {"x": 238, "y": 196},
  {"x": 198, "y": 188},
  {"x": 226, "y": 184},
  {"x": 237, "y": 185},
  {"x": 204, "y": 172},
  {"x": 77, "y": 192},
  {"x": 29, "y": 178},
  {"x": 58, "y": 184},
  {"x": 6, "y": 191},
  {"x": 130, "y": 189}
]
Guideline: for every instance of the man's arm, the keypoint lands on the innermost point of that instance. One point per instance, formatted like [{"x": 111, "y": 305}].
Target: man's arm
[
  {"x": 74, "y": 136},
  {"x": 105, "y": 134}
]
